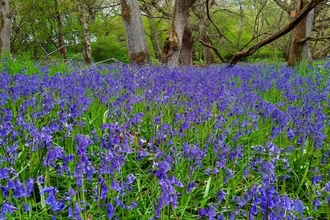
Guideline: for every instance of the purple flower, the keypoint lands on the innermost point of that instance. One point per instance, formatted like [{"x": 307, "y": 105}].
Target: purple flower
[
  {"x": 191, "y": 186},
  {"x": 208, "y": 212},
  {"x": 110, "y": 210},
  {"x": 29, "y": 186},
  {"x": 26, "y": 207},
  {"x": 8, "y": 207},
  {"x": 316, "y": 204},
  {"x": 316, "y": 179},
  {"x": 327, "y": 187},
  {"x": 221, "y": 196},
  {"x": 298, "y": 206},
  {"x": 290, "y": 134}
]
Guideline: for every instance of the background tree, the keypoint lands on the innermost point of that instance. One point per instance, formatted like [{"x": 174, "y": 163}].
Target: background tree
[
  {"x": 60, "y": 31},
  {"x": 135, "y": 34},
  {"x": 173, "y": 43},
  {"x": 4, "y": 27},
  {"x": 42, "y": 28},
  {"x": 291, "y": 25},
  {"x": 86, "y": 39}
]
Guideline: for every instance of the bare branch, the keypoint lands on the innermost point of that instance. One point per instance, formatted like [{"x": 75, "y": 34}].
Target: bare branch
[
  {"x": 215, "y": 51},
  {"x": 70, "y": 45},
  {"x": 314, "y": 39},
  {"x": 209, "y": 17}
]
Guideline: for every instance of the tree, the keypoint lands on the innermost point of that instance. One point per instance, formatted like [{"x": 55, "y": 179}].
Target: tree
[
  {"x": 4, "y": 27},
  {"x": 173, "y": 43},
  {"x": 292, "y": 24},
  {"x": 60, "y": 31},
  {"x": 299, "y": 49},
  {"x": 87, "y": 40},
  {"x": 136, "y": 37}
]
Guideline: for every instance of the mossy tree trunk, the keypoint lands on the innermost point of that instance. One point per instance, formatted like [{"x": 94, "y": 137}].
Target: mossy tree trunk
[
  {"x": 173, "y": 43},
  {"x": 4, "y": 27},
  {"x": 135, "y": 34}
]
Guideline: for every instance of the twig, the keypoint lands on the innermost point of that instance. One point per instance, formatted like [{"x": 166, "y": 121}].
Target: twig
[
  {"x": 70, "y": 45},
  {"x": 209, "y": 17},
  {"x": 103, "y": 61}
]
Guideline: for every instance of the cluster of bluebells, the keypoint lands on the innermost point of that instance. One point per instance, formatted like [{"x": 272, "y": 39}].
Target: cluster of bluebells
[{"x": 95, "y": 140}]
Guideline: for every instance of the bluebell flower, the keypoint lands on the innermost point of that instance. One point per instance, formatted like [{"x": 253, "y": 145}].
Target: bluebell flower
[
  {"x": 327, "y": 187},
  {"x": 299, "y": 207},
  {"x": 221, "y": 196},
  {"x": 110, "y": 210},
  {"x": 316, "y": 204},
  {"x": 8, "y": 207},
  {"x": 191, "y": 186},
  {"x": 26, "y": 207},
  {"x": 316, "y": 180}
]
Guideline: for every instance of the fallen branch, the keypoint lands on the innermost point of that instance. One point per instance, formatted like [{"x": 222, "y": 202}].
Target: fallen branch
[
  {"x": 70, "y": 45},
  {"x": 103, "y": 61}
]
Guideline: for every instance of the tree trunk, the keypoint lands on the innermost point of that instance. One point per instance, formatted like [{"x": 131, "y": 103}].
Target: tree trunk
[
  {"x": 60, "y": 31},
  {"x": 208, "y": 56},
  {"x": 136, "y": 37},
  {"x": 4, "y": 27},
  {"x": 154, "y": 33},
  {"x": 87, "y": 41},
  {"x": 187, "y": 47},
  {"x": 173, "y": 43},
  {"x": 300, "y": 49}
]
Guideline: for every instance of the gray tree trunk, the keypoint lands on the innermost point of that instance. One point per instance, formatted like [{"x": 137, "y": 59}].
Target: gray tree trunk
[
  {"x": 306, "y": 55},
  {"x": 4, "y": 27},
  {"x": 136, "y": 37},
  {"x": 173, "y": 43},
  {"x": 87, "y": 40}
]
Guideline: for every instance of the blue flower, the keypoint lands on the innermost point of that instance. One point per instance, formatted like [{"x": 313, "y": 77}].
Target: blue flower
[
  {"x": 191, "y": 186},
  {"x": 110, "y": 210}
]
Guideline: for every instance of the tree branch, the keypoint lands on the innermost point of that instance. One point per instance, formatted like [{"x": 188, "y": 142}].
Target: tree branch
[
  {"x": 214, "y": 49},
  {"x": 314, "y": 39},
  {"x": 292, "y": 24},
  {"x": 70, "y": 45},
  {"x": 209, "y": 17}
]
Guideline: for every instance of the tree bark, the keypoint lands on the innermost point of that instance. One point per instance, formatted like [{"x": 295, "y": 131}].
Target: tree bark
[
  {"x": 300, "y": 49},
  {"x": 292, "y": 24},
  {"x": 60, "y": 31},
  {"x": 87, "y": 40},
  {"x": 187, "y": 47},
  {"x": 4, "y": 27},
  {"x": 136, "y": 37},
  {"x": 173, "y": 43}
]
